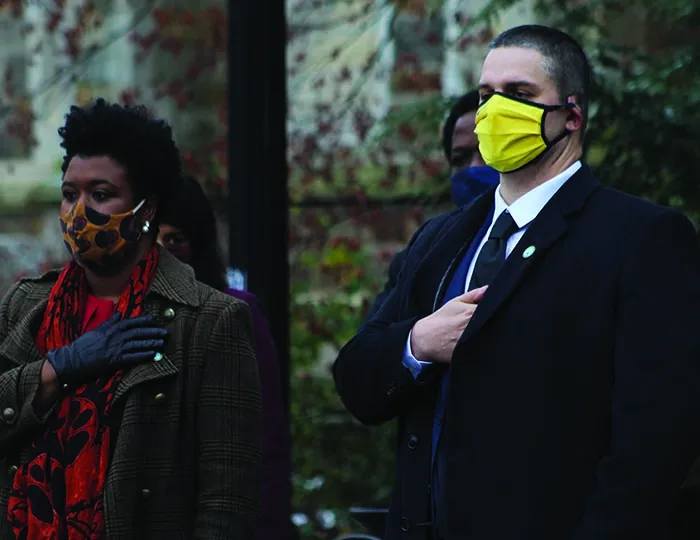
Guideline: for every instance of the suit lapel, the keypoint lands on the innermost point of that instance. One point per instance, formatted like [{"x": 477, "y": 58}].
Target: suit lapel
[
  {"x": 436, "y": 266},
  {"x": 548, "y": 227}
]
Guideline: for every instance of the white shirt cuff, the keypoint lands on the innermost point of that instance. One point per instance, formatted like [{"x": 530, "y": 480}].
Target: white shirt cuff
[{"x": 410, "y": 362}]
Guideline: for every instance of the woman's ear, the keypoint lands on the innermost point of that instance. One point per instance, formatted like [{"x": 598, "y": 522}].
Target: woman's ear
[{"x": 150, "y": 207}]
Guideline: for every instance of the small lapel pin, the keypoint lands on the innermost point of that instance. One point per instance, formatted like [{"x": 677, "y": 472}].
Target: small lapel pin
[{"x": 529, "y": 252}]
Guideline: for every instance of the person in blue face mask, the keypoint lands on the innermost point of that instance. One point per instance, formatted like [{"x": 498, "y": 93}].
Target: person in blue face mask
[{"x": 470, "y": 177}]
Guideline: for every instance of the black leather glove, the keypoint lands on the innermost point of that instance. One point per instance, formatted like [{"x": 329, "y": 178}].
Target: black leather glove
[{"x": 112, "y": 345}]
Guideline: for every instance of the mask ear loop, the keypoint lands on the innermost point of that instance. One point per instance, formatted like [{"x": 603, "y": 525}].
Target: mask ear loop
[
  {"x": 146, "y": 227},
  {"x": 570, "y": 105},
  {"x": 138, "y": 206}
]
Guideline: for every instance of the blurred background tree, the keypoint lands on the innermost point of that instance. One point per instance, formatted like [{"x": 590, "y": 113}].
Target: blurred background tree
[
  {"x": 645, "y": 103},
  {"x": 369, "y": 83}
]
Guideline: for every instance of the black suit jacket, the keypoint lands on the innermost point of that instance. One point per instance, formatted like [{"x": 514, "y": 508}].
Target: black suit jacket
[
  {"x": 574, "y": 404},
  {"x": 392, "y": 279}
]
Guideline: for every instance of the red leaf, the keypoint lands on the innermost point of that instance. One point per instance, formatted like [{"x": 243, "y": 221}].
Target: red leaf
[
  {"x": 53, "y": 22},
  {"x": 174, "y": 87},
  {"x": 162, "y": 17},
  {"x": 194, "y": 70},
  {"x": 406, "y": 132},
  {"x": 431, "y": 168},
  {"x": 345, "y": 75},
  {"x": 188, "y": 18},
  {"x": 181, "y": 101},
  {"x": 362, "y": 123},
  {"x": 127, "y": 97},
  {"x": 465, "y": 42},
  {"x": 407, "y": 59},
  {"x": 433, "y": 38},
  {"x": 486, "y": 35},
  {"x": 72, "y": 42},
  {"x": 17, "y": 8},
  {"x": 9, "y": 86}
]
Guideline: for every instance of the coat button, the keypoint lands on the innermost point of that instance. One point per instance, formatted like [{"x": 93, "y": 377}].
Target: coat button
[
  {"x": 8, "y": 414},
  {"x": 169, "y": 314},
  {"x": 157, "y": 357},
  {"x": 159, "y": 397},
  {"x": 145, "y": 493},
  {"x": 11, "y": 470},
  {"x": 412, "y": 442},
  {"x": 405, "y": 524}
]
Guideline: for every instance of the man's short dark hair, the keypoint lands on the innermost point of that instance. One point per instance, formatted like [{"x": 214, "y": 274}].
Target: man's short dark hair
[
  {"x": 467, "y": 103},
  {"x": 131, "y": 136},
  {"x": 565, "y": 61}
]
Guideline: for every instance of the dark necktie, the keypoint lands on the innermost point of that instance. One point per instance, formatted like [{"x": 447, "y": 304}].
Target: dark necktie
[
  {"x": 488, "y": 263},
  {"x": 493, "y": 253}
]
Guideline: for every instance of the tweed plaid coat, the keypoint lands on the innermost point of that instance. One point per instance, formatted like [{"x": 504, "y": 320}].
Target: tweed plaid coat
[{"x": 186, "y": 460}]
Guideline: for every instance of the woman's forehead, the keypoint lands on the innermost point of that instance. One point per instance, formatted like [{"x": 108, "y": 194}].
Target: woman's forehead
[{"x": 88, "y": 170}]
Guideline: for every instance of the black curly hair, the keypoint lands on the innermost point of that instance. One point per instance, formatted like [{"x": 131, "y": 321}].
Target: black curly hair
[
  {"x": 469, "y": 102},
  {"x": 131, "y": 136},
  {"x": 192, "y": 213}
]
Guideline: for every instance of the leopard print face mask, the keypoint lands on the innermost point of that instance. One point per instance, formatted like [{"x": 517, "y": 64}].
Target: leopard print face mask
[{"x": 99, "y": 239}]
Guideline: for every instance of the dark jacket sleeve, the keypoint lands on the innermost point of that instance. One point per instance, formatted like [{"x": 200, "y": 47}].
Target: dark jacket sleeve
[
  {"x": 19, "y": 383},
  {"x": 369, "y": 373},
  {"x": 655, "y": 416},
  {"x": 393, "y": 277},
  {"x": 228, "y": 420},
  {"x": 274, "y": 522}
]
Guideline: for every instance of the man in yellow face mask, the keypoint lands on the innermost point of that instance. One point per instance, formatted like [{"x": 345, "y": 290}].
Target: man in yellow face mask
[{"x": 540, "y": 348}]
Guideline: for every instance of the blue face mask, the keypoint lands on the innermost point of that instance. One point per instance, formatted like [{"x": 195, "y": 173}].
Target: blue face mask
[{"x": 471, "y": 182}]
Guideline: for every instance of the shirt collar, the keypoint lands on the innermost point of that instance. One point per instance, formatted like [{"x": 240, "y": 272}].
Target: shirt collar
[{"x": 526, "y": 208}]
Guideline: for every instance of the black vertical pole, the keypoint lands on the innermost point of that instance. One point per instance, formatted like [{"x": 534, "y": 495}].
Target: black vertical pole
[{"x": 258, "y": 197}]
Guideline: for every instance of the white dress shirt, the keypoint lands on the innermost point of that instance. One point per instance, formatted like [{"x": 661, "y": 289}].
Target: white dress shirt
[{"x": 524, "y": 211}]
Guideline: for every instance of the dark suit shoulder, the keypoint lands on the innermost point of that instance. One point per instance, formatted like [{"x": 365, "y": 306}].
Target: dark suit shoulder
[
  {"x": 433, "y": 226},
  {"x": 442, "y": 219},
  {"x": 628, "y": 206},
  {"x": 622, "y": 230}
]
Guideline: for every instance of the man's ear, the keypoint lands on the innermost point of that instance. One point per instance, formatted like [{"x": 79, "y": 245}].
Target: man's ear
[{"x": 574, "y": 119}]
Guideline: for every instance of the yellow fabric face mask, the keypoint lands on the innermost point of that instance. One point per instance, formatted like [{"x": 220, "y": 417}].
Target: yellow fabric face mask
[{"x": 511, "y": 131}]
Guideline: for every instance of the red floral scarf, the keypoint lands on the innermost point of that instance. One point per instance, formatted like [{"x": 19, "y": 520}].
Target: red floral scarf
[{"x": 58, "y": 494}]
